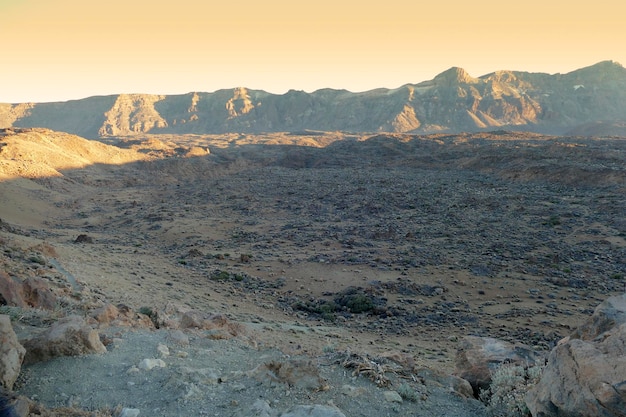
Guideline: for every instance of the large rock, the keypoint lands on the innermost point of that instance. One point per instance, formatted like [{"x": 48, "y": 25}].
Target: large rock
[
  {"x": 70, "y": 336},
  {"x": 608, "y": 314},
  {"x": 11, "y": 354},
  {"x": 586, "y": 376},
  {"x": 478, "y": 357}
]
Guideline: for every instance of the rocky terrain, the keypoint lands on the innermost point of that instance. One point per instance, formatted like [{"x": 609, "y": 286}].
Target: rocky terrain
[
  {"x": 452, "y": 102},
  {"x": 308, "y": 272}
]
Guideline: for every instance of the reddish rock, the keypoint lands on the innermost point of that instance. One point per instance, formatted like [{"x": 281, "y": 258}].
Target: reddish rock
[
  {"x": 106, "y": 314},
  {"x": 70, "y": 336},
  {"x": 219, "y": 326},
  {"x": 300, "y": 373},
  {"x": 33, "y": 292},
  {"x": 11, "y": 354},
  {"x": 121, "y": 315},
  {"x": 11, "y": 291},
  {"x": 38, "y": 294}
]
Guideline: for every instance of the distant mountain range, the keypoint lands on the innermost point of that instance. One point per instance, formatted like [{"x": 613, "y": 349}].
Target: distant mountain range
[{"x": 586, "y": 100}]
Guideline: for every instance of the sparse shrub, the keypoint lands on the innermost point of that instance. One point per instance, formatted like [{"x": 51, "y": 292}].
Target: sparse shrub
[
  {"x": 15, "y": 313},
  {"x": 329, "y": 348},
  {"x": 327, "y": 311},
  {"x": 152, "y": 314},
  {"x": 220, "y": 276},
  {"x": 407, "y": 392},
  {"x": 509, "y": 385},
  {"x": 554, "y": 220}
]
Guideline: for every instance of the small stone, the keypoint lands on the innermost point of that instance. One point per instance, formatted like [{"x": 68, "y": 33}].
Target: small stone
[
  {"x": 351, "y": 391},
  {"x": 179, "y": 338},
  {"x": 314, "y": 411},
  {"x": 392, "y": 397},
  {"x": 133, "y": 370},
  {"x": 163, "y": 350},
  {"x": 148, "y": 364},
  {"x": 129, "y": 412}
]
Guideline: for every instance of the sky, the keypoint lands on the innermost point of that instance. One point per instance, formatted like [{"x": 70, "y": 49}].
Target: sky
[{"x": 58, "y": 50}]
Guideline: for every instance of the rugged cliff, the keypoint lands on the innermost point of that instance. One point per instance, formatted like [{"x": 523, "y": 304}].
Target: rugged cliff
[{"x": 453, "y": 101}]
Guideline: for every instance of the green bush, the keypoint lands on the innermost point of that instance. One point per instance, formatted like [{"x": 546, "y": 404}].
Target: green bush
[
  {"x": 355, "y": 300},
  {"x": 360, "y": 303}
]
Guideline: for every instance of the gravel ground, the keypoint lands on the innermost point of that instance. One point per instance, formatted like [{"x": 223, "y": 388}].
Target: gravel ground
[{"x": 226, "y": 378}]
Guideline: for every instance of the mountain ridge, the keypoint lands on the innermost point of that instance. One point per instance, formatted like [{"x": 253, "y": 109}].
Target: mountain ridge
[{"x": 452, "y": 101}]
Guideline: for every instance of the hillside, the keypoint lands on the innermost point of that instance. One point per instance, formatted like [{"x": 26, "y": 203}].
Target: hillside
[{"x": 453, "y": 101}]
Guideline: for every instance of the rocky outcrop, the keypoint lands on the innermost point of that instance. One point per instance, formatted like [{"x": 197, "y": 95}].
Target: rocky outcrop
[
  {"x": 11, "y": 354},
  {"x": 132, "y": 113},
  {"x": 70, "y": 336},
  {"x": 453, "y": 101},
  {"x": 478, "y": 357},
  {"x": 586, "y": 373}
]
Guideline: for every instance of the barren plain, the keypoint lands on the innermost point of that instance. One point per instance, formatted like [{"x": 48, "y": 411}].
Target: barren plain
[{"x": 333, "y": 241}]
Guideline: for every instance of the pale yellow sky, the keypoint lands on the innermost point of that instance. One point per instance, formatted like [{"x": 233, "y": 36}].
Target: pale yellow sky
[{"x": 55, "y": 50}]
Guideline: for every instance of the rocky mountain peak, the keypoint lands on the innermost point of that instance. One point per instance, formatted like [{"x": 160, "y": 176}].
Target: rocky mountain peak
[{"x": 455, "y": 75}]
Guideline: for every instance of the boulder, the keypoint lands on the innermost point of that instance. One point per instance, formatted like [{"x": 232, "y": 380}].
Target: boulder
[
  {"x": 608, "y": 314},
  {"x": 70, "y": 336},
  {"x": 11, "y": 354},
  {"x": 478, "y": 357},
  {"x": 586, "y": 377}
]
